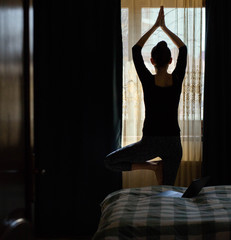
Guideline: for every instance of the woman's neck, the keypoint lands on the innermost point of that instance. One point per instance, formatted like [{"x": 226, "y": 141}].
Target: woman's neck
[
  {"x": 161, "y": 71},
  {"x": 163, "y": 78}
]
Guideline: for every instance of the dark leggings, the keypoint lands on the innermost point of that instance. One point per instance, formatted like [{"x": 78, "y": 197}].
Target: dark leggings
[{"x": 169, "y": 149}]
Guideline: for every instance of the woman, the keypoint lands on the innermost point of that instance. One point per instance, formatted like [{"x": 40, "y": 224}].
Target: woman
[{"x": 161, "y": 132}]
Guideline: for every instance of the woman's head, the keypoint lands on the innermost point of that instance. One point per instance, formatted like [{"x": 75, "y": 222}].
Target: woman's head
[{"x": 161, "y": 55}]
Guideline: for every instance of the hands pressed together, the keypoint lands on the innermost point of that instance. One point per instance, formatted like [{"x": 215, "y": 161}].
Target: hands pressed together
[{"x": 160, "y": 21}]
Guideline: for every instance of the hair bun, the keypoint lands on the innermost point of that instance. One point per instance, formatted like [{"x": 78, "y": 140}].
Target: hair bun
[
  {"x": 162, "y": 44},
  {"x": 161, "y": 54}
]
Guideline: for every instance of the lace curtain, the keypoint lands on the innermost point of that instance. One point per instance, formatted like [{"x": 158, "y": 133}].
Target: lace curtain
[{"x": 186, "y": 19}]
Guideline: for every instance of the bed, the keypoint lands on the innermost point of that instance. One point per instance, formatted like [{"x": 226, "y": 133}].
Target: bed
[{"x": 139, "y": 213}]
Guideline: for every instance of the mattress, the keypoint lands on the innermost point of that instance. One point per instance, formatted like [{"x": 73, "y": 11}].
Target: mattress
[{"x": 140, "y": 213}]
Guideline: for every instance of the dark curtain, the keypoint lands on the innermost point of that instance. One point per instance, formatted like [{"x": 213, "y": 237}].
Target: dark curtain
[
  {"x": 217, "y": 93},
  {"x": 78, "y": 111}
]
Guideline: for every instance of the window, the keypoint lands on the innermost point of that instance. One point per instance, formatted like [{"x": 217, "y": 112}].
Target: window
[
  {"x": 187, "y": 20},
  {"x": 189, "y": 25}
]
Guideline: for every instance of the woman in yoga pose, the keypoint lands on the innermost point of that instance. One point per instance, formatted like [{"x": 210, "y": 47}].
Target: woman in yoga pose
[{"x": 161, "y": 132}]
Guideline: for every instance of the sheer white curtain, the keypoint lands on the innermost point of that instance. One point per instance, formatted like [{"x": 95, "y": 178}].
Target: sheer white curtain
[{"x": 186, "y": 19}]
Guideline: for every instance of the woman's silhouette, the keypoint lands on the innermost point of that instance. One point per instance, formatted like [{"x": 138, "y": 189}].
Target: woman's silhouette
[{"x": 161, "y": 132}]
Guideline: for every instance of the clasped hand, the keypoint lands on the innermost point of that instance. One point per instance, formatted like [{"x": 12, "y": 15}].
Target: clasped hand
[{"x": 160, "y": 21}]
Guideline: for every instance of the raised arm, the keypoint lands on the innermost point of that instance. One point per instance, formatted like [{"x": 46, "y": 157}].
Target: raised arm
[
  {"x": 176, "y": 40},
  {"x": 160, "y": 22},
  {"x": 157, "y": 24}
]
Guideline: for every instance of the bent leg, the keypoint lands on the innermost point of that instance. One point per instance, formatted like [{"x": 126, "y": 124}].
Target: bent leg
[{"x": 122, "y": 159}]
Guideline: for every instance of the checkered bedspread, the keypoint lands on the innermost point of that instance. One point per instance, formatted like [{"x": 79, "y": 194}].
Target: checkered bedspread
[{"x": 138, "y": 213}]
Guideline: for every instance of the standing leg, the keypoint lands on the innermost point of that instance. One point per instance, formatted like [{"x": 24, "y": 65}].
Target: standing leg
[
  {"x": 172, "y": 158},
  {"x": 159, "y": 173}
]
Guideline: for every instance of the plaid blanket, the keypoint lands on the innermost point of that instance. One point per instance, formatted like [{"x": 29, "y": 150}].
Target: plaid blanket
[{"x": 139, "y": 213}]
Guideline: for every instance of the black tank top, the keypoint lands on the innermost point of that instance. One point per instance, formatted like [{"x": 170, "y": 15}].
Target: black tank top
[{"x": 161, "y": 103}]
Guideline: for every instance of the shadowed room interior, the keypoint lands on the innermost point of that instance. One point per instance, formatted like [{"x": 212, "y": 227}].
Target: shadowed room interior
[{"x": 61, "y": 85}]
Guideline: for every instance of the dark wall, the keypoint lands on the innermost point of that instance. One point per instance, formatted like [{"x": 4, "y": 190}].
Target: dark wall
[{"x": 78, "y": 105}]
